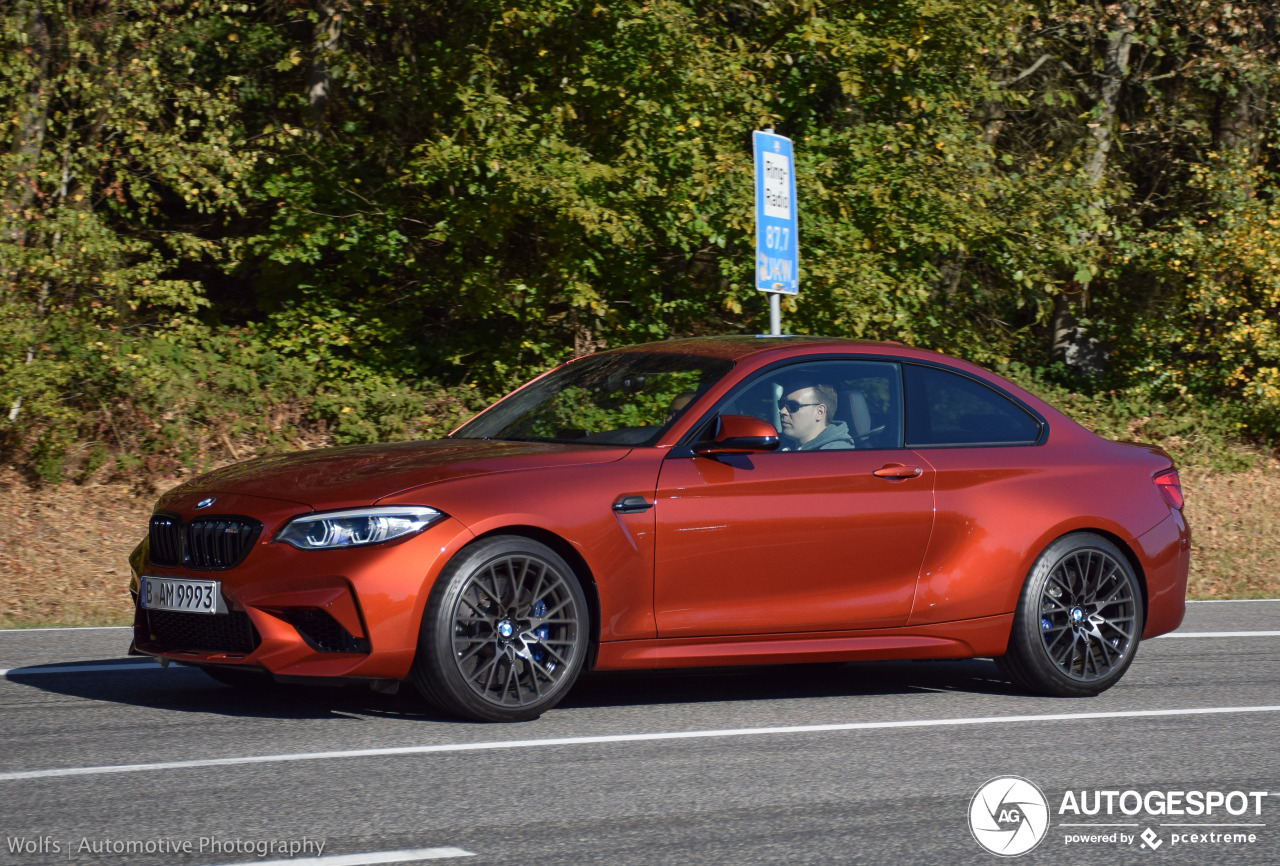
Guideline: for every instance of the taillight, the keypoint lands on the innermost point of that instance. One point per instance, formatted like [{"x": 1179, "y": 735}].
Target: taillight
[{"x": 1170, "y": 487}]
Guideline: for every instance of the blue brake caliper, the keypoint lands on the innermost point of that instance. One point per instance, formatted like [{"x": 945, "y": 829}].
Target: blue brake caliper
[{"x": 543, "y": 632}]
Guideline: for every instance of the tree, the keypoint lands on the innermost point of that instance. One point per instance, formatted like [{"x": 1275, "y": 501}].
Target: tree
[{"x": 123, "y": 165}]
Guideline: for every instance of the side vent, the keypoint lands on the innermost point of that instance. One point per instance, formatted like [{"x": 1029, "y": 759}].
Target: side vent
[{"x": 322, "y": 632}]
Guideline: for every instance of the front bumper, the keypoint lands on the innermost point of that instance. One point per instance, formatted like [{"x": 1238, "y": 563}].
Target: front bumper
[{"x": 352, "y": 612}]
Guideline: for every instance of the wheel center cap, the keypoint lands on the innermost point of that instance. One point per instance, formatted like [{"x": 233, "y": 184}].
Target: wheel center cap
[
  {"x": 1076, "y": 614},
  {"x": 506, "y": 629}
]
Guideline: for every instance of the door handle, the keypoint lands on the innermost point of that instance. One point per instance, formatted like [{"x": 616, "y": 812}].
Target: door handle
[
  {"x": 631, "y": 505},
  {"x": 897, "y": 471}
]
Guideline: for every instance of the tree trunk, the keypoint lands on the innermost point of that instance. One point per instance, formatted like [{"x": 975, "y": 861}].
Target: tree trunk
[
  {"x": 320, "y": 80},
  {"x": 1070, "y": 344},
  {"x": 1238, "y": 129},
  {"x": 28, "y": 137},
  {"x": 28, "y": 141},
  {"x": 1114, "y": 72}
]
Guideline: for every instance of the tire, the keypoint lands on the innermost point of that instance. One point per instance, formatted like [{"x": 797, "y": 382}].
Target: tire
[
  {"x": 1078, "y": 621},
  {"x": 504, "y": 633}
]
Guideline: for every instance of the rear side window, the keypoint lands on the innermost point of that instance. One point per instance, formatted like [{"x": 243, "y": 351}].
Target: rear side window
[{"x": 945, "y": 408}]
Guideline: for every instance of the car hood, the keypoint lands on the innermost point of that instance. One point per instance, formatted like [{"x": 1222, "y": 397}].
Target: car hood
[{"x": 363, "y": 474}]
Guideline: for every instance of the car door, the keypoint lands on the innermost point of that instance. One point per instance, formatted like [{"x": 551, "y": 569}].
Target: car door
[
  {"x": 796, "y": 541},
  {"x": 992, "y": 491}
]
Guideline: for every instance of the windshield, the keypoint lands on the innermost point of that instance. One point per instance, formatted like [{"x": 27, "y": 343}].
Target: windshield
[{"x": 629, "y": 398}]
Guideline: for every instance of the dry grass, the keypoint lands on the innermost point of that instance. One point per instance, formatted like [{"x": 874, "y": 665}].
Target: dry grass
[
  {"x": 65, "y": 556},
  {"x": 1235, "y": 534},
  {"x": 66, "y": 551}
]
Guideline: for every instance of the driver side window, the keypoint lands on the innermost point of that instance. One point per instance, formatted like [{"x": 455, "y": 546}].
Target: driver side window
[{"x": 826, "y": 405}]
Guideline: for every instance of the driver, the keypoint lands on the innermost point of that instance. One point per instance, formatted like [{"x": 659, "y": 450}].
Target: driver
[
  {"x": 678, "y": 404},
  {"x": 806, "y": 414}
]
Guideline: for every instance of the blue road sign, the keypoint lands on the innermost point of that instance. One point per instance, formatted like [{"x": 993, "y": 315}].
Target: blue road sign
[{"x": 777, "y": 235}]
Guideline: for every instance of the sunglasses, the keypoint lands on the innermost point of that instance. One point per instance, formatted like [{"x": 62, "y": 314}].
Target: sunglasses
[{"x": 791, "y": 407}]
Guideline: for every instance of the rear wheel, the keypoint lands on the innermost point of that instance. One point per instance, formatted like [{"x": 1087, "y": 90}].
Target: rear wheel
[
  {"x": 1078, "y": 621},
  {"x": 505, "y": 632}
]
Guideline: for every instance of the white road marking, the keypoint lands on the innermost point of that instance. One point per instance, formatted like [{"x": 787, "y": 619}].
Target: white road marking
[
  {"x": 1228, "y": 600},
  {"x": 4, "y": 631},
  {"x": 1218, "y": 634},
  {"x": 64, "y": 772},
  {"x": 373, "y": 857},
  {"x": 142, "y": 664}
]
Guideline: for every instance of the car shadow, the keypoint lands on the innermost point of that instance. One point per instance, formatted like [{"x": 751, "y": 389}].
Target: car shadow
[
  {"x": 783, "y": 682},
  {"x": 187, "y": 689}
]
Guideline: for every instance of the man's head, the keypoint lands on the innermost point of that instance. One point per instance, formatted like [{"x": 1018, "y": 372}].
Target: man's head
[
  {"x": 678, "y": 403},
  {"x": 806, "y": 410}
]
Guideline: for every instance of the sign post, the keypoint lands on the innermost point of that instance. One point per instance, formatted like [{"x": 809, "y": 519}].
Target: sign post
[{"x": 777, "y": 228}]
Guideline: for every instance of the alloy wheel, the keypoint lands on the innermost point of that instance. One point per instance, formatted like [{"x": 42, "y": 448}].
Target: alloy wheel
[
  {"x": 517, "y": 629},
  {"x": 1088, "y": 615}
]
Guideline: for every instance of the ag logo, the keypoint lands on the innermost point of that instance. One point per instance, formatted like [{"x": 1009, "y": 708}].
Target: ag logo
[{"x": 1009, "y": 816}]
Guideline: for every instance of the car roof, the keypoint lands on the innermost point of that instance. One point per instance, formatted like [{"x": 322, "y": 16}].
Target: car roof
[{"x": 738, "y": 347}]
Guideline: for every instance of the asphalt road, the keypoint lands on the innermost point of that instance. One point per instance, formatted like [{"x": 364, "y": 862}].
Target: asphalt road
[{"x": 109, "y": 760}]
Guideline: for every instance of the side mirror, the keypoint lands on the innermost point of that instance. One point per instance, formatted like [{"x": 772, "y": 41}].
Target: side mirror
[{"x": 739, "y": 434}]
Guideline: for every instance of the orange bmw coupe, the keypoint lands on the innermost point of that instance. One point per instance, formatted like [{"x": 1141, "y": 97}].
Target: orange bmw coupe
[{"x": 716, "y": 501}]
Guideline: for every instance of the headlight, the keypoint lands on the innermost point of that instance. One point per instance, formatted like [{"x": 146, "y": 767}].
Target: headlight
[{"x": 356, "y": 527}]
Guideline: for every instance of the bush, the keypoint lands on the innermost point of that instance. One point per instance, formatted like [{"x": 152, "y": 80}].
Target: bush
[
  {"x": 190, "y": 399},
  {"x": 1195, "y": 434}
]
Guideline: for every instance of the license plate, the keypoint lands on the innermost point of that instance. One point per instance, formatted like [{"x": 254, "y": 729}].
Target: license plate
[{"x": 188, "y": 596}]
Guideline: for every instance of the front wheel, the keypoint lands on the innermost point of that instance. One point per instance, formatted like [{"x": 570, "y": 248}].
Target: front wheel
[
  {"x": 505, "y": 632},
  {"x": 1078, "y": 620}
]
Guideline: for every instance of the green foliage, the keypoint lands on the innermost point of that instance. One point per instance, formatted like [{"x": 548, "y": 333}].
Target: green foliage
[
  {"x": 1213, "y": 327},
  {"x": 190, "y": 399},
  {"x": 552, "y": 177},
  {"x": 283, "y": 224},
  {"x": 124, "y": 162},
  {"x": 1199, "y": 433}
]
